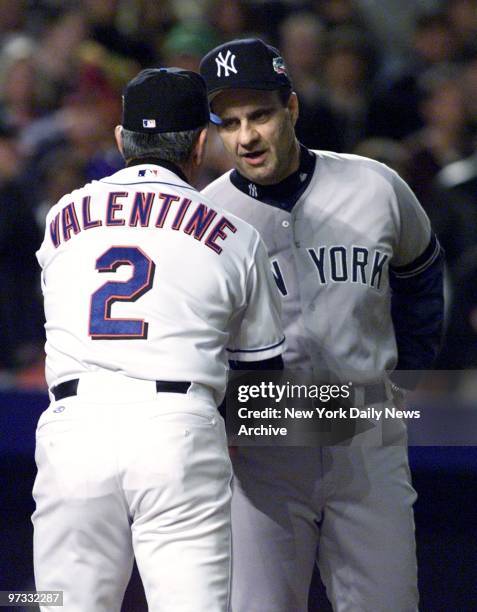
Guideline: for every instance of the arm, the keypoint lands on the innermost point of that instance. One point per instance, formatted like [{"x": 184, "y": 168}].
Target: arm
[
  {"x": 417, "y": 310},
  {"x": 258, "y": 341},
  {"x": 258, "y": 332},
  {"x": 266, "y": 365},
  {"x": 274, "y": 363},
  {"x": 417, "y": 294}
]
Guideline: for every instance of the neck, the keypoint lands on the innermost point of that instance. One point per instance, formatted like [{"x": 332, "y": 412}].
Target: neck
[
  {"x": 286, "y": 192},
  {"x": 295, "y": 157}
]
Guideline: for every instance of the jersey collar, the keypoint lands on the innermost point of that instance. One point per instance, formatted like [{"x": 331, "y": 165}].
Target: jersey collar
[
  {"x": 149, "y": 170},
  {"x": 158, "y": 162},
  {"x": 286, "y": 193}
]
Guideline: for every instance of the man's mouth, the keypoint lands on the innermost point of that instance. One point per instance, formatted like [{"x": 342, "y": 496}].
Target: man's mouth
[{"x": 254, "y": 158}]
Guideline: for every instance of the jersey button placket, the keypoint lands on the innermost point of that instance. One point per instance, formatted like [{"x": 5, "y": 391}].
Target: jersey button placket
[{"x": 296, "y": 242}]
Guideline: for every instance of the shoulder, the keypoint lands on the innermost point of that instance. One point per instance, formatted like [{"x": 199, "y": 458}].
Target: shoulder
[
  {"x": 245, "y": 229},
  {"x": 330, "y": 163},
  {"x": 218, "y": 186},
  {"x": 224, "y": 193}
]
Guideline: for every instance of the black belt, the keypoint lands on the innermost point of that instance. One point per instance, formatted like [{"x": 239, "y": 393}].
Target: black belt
[{"x": 70, "y": 387}]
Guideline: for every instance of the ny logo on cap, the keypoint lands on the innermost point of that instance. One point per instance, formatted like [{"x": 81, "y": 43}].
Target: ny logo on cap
[
  {"x": 227, "y": 63},
  {"x": 279, "y": 65}
]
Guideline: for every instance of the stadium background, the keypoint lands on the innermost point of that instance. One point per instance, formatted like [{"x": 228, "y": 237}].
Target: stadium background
[{"x": 395, "y": 80}]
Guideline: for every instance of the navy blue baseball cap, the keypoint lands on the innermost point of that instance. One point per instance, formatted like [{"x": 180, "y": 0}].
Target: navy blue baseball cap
[
  {"x": 161, "y": 100},
  {"x": 247, "y": 63}
]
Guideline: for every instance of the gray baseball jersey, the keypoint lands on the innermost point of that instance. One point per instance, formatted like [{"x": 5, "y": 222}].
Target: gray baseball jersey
[
  {"x": 359, "y": 271},
  {"x": 331, "y": 255}
]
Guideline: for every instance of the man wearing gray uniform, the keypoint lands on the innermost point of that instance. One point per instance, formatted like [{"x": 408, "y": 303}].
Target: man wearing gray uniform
[{"x": 360, "y": 274}]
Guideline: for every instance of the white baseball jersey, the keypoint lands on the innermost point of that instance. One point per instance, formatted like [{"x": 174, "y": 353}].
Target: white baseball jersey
[
  {"x": 331, "y": 256},
  {"x": 144, "y": 276}
]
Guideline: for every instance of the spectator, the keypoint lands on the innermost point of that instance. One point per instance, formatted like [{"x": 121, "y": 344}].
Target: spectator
[
  {"x": 454, "y": 210},
  {"x": 13, "y": 17},
  {"x": 60, "y": 170},
  {"x": 21, "y": 313},
  {"x": 302, "y": 39},
  {"x": 460, "y": 343},
  {"x": 86, "y": 118},
  {"x": 462, "y": 17},
  {"x": 445, "y": 136},
  {"x": 153, "y": 20},
  {"x": 301, "y": 42},
  {"x": 56, "y": 58},
  {"x": 107, "y": 29},
  {"x": 340, "y": 13},
  {"x": 186, "y": 43},
  {"x": 347, "y": 69},
  {"x": 184, "y": 46},
  {"x": 469, "y": 83},
  {"x": 19, "y": 86},
  {"x": 394, "y": 110},
  {"x": 229, "y": 18}
]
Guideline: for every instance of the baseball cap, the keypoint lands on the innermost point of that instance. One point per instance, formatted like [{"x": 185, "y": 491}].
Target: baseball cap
[
  {"x": 166, "y": 100},
  {"x": 247, "y": 63}
]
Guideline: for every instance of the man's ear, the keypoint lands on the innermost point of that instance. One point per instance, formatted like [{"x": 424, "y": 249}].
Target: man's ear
[
  {"x": 294, "y": 107},
  {"x": 199, "y": 150},
  {"x": 118, "y": 135}
]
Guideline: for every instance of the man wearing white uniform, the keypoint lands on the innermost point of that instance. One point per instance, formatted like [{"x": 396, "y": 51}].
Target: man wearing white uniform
[
  {"x": 360, "y": 273},
  {"x": 147, "y": 286}
]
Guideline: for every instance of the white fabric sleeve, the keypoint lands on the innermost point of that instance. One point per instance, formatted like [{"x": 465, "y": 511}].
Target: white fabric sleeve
[
  {"x": 258, "y": 332},
  {"x": 415, "y": 229}
]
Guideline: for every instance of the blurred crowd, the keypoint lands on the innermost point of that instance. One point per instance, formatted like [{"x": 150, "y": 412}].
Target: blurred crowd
[{"x": 388, "y": 79}]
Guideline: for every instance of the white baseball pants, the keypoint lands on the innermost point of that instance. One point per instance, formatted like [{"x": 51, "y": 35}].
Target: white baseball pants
[
  {"x": 347, "y": 507},
  {"x": 124, "y": 471}
]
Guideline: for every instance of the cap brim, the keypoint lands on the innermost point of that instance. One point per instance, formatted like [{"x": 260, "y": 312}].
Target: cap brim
[
  {"x": 260, "y": 86},
  {"x": 215, "y": 119}
]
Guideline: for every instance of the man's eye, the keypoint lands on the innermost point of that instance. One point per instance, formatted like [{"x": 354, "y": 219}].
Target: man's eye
[
  {"x": 228, "y": 124},
  {"x": 262, "y": 116}
]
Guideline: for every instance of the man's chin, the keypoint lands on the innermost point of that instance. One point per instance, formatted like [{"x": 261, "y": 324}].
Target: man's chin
[{"x": 261, "y": 176}]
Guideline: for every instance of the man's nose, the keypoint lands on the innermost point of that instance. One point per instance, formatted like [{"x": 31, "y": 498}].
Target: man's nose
[{"x": 247, "y": 134}]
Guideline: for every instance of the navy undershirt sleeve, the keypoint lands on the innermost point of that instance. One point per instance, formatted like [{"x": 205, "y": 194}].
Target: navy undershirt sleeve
[{"x": 417, "y": 310}]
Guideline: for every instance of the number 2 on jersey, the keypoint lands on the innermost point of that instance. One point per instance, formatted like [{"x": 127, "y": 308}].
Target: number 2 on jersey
[{"x": 101, "y": 325}]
